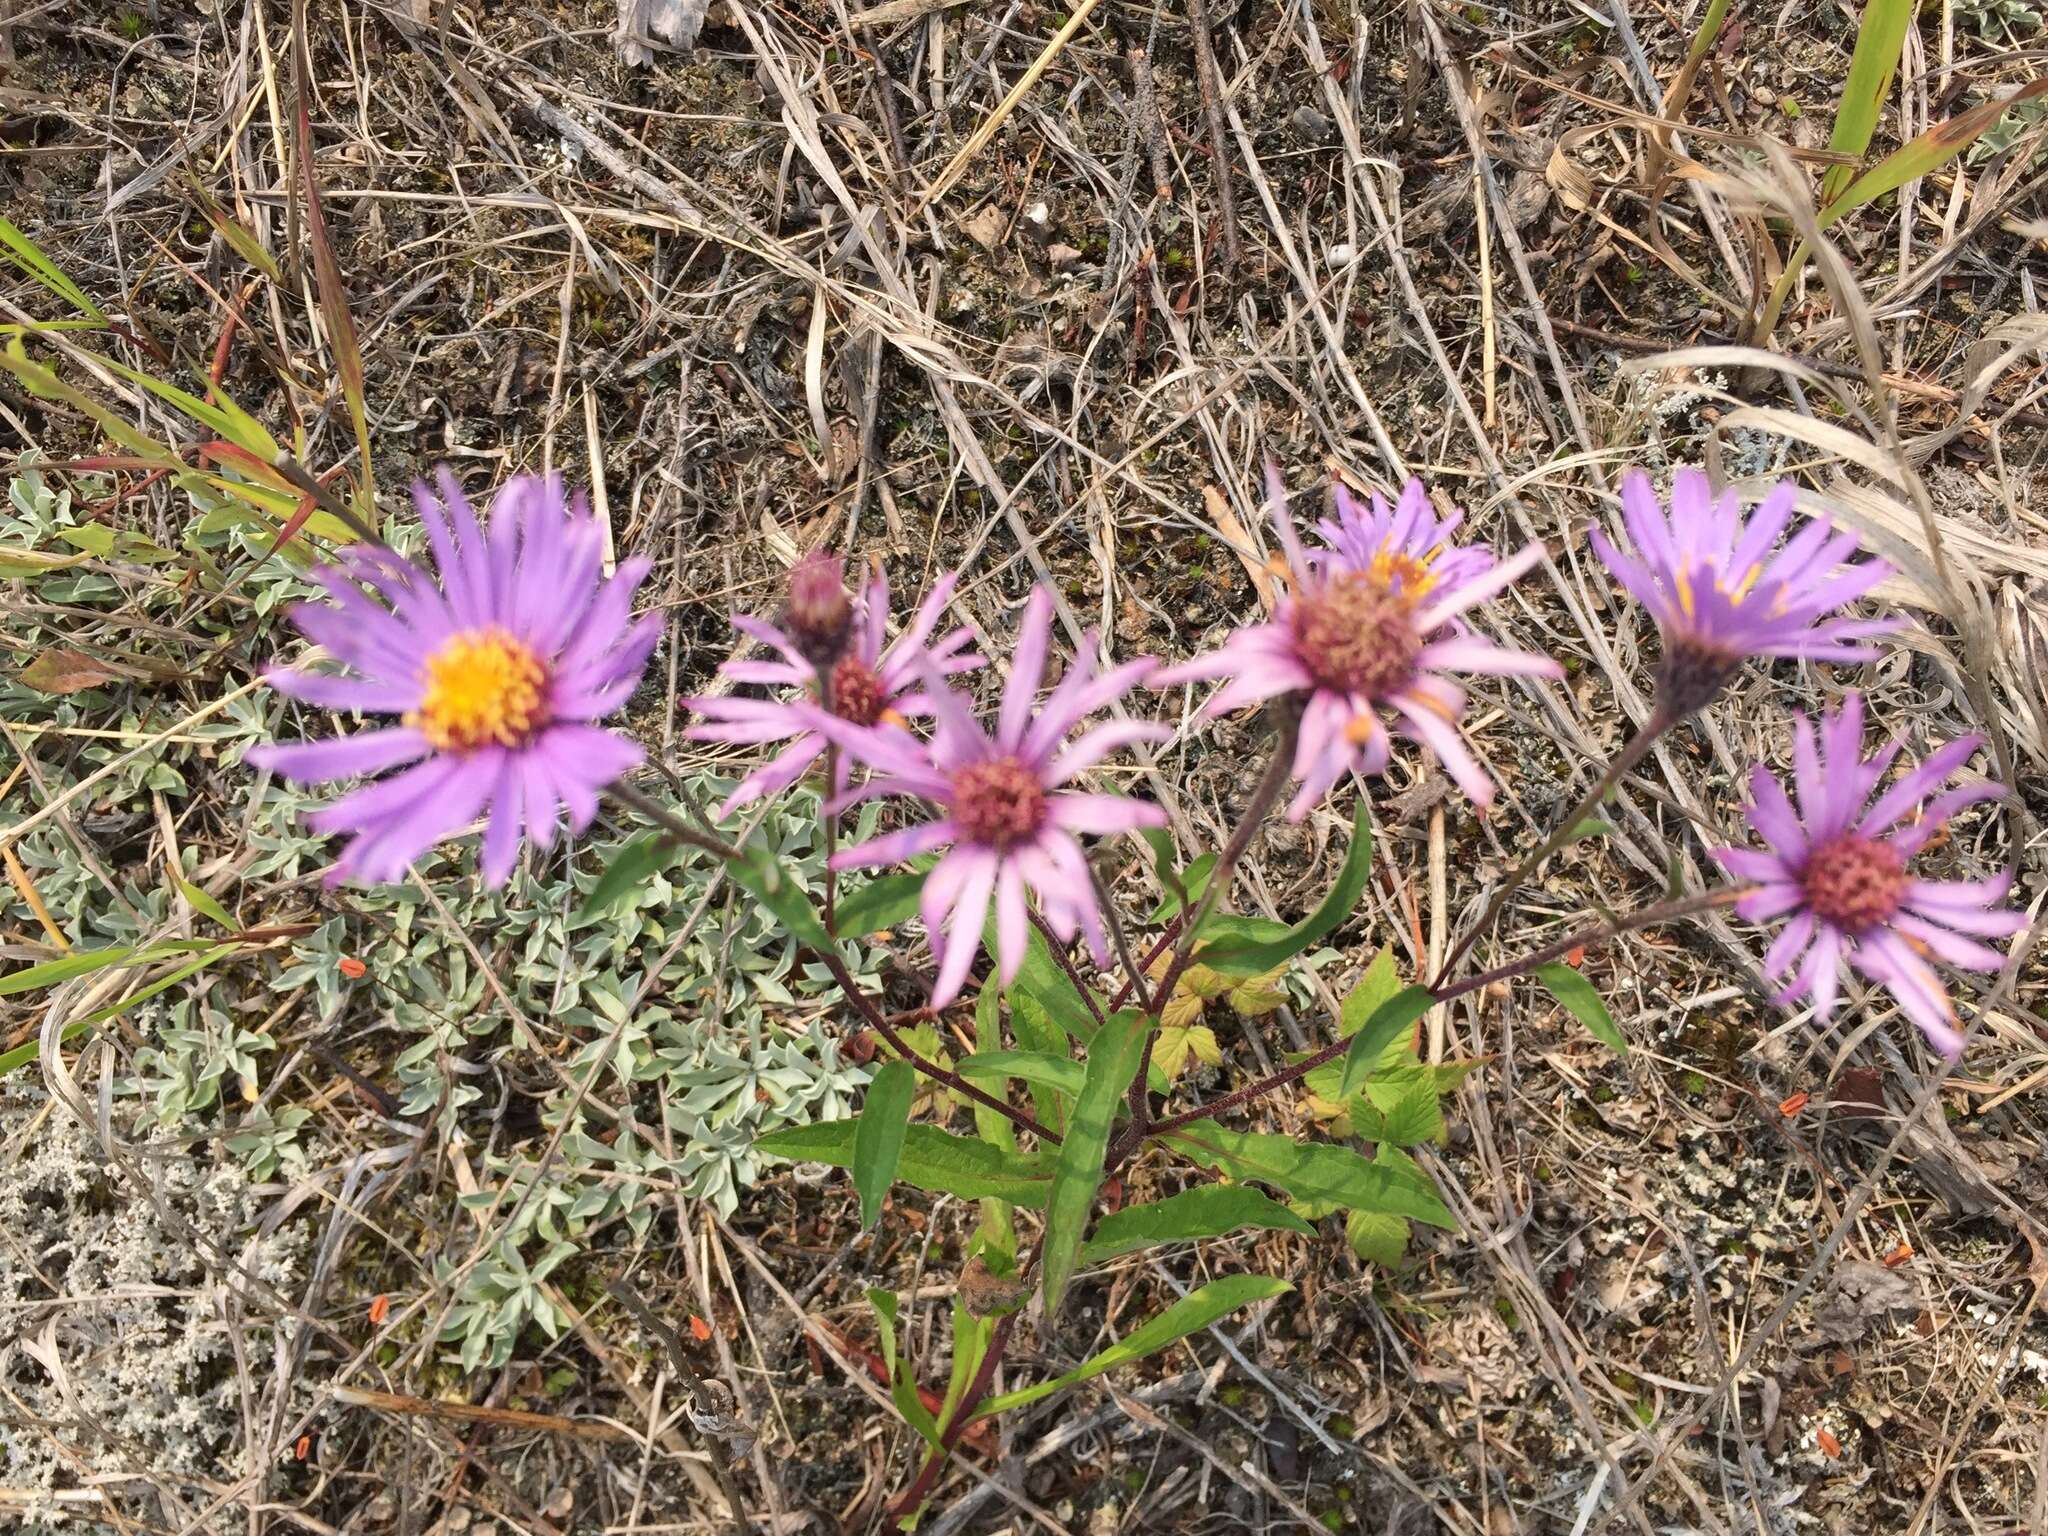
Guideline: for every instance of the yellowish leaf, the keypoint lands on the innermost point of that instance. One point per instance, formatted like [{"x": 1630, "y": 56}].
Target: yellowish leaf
[
  {"x": 1258, "y": 995},
  {"x": 1170, "y": 1052}
]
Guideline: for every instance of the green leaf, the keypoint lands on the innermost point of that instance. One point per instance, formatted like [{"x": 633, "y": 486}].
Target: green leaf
[
  {"x": 630, "y": 868},
  {"x": 1046, "y": 982},
  {"x": 1316, "y": 1176},
  {"x": 1112, "y": 1063},
  {"x": 28, "y": 256},
  {"x": 759, "y": 869},
  {"x": 878, "y": 1135},
  {"x": 1209, "y": 1210},
  {"x": 1380, "y": 982},
  {"x": 1038, "y": 1033},
  {"x": 1583, "y": 1003},
  {"x": 1376, "y": 1238},
  {"x": 51, "y": 972},
  {"x": 1393, "y": 1020},
  {"x": 1040, "y": 1067},
  {"x": 1879, "y": 40},
  {"x": 1246, "y": 955},
  {"x": 902, "y": 1390},
  {"x": 204, "y": 904},
  {"x": 881, "y": 903},
  {"x": 931, "y": 1159},
  {"x": 1216, "y": 1300}
]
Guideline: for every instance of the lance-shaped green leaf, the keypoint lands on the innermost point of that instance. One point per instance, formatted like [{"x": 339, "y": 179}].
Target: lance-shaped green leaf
[
  {"x": 1112, "y": 1063},
  {"x": 878, "y": 1135},
  {"x": 1316, "y": 1176},
  {"x": 902, "y": 1390},
  {"x": 931, "y": 1159},
  {"x": 1245, "y": 949},
  {"x": 1208, "y": 1210},
  {"x": 1584, "y": 1004},
  {"x": 1214, "y": 1301},
  {"x": 1040, "y": 1067}
]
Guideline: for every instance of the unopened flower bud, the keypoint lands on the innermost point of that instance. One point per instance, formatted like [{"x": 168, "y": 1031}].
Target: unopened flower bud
[{"x": 820, "y": 614}]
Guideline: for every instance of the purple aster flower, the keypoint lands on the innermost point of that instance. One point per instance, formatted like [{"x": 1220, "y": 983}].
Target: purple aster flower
[
  {"x": 1720, "y": 594},
  {"x": 873, "y": 681},
  {"x": 1405, "y": 545},
  {"x": 1370, "y": 626},
  {"x": 1010, "y": 819},
  {"x": 496, "y": 676},
  {"x": 1837, "y": 866}
]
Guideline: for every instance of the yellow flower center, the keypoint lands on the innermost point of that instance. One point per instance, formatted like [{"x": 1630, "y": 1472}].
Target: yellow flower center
[
  {"x": 483, "y": 687},
  {"x": 1397, "y": 571}
]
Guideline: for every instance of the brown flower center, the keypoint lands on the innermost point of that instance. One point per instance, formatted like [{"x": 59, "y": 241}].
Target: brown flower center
[
  {"x": 1855, "y": 882},
  {"x": 857, "y": 694},
  {"x": 1355, "y": 634},
  {"x": 999, "y": 801}
]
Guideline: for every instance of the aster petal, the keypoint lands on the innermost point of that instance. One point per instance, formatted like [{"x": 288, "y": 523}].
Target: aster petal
[
  {"x": 1886, "y": 958},
  {"x": 501, "y": 832},
  {"x": 1477, "y": 590},
  {"x": 582, "y": 760},
  {"x": 1774, "y": 898},
  {"x": 399, "y": 818},
  {"x": 538, "y": 798},
  {"x": 873, "y": 632},
  {"x": 1770, "y": 812},
  {"x": 1766, "y": 523},
  {"x": 1937, "y": 813},
  {"x": 1027, "y": 670},
  {"x": 1917, "y": 785},
  {"x": 1944, "y": 944},
  {"x": 896, "y": 847},
  {"x": 1465, "y": 654},
  {"x": 1749, "y": 864},
  {"x": 332, "y": 691},
  {"x": 1790, "y": 943},
  {"x": 467, "y": 581},
  {"x": 1092, "y": 747},
  {"x": 1260, "y": 680},
  {"x": 341, "y": 757},
  {"x": 1643, "y": 516},
  {"x": 969, "y": 911},
  {"x": 775, "y": 775},
  {"x": 1013, "y": 922},
  {"x": 1101, "y": 815},
  {"x": 1078, "y": 696},
  {"x": 1442, "y": 738},
  {"x": 1821, "y": 976}
]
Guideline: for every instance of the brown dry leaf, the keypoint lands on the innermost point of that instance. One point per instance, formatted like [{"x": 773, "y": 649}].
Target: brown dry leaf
[
  {"x": 61, "y": 671},
  {"x": 984, "y": 1293},
  {"x": 1217, "y": 505},
  {"x": 985, "y": 226}
]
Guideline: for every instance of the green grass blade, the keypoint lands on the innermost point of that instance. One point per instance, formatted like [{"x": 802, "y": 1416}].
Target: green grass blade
[
  {"x": 1216, "y": 1300},
  {"x": 1879, "y": 42},
  {"x": 28, "y": 256}
]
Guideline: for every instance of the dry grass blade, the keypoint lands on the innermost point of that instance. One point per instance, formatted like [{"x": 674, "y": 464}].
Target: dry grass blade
[
  {"x": 333, "y": 288},
  {"x": 992, "y": 124}
]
